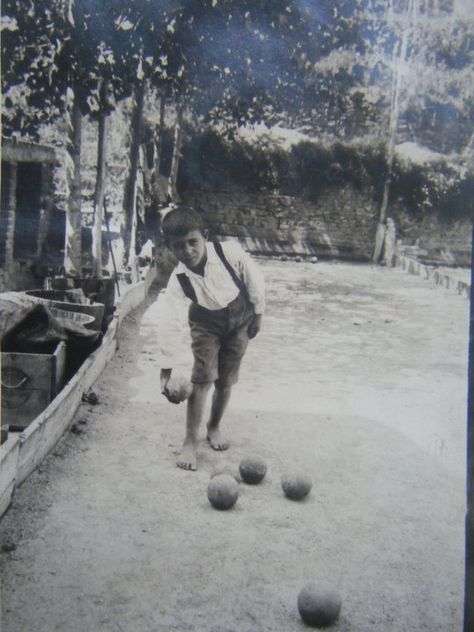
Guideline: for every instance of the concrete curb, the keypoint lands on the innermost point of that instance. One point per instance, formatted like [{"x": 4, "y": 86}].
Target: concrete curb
[
  {"x": 21, "y": 454},
  {"x": 437, "y": 277}
]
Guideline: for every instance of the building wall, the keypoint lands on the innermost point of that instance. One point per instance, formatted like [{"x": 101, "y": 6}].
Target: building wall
[{"x": 27, "y": 175}]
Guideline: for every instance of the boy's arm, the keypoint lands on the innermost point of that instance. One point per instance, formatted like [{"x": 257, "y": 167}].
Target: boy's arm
[
  {"x": 255, "y": 326},
  {"x": 250, "y": 273},
  {"x": 171, "y": 317},
  {"x": 252, "y": 277}
]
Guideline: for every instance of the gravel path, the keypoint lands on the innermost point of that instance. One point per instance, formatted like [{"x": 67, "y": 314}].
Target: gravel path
[{"x": 359, "y": 377}]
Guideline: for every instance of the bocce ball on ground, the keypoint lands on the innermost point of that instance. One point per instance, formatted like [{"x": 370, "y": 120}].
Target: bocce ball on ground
[
  {"x": 319, "y": 605},
  {"x": 252, "y": 469},
  {"x": 296, "y": 484},
  {"x": 222, "y": 491}
]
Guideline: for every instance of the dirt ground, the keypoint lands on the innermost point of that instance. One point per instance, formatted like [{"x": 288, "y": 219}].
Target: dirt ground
[{"x": 359, "y": 377}]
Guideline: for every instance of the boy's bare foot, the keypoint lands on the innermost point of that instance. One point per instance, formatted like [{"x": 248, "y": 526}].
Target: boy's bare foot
[
  {"x": 187, "y": 460},
  {"x": 216, "y": 440}
]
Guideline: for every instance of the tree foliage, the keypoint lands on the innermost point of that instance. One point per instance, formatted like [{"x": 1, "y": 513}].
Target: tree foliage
[
  {"x": 326, "y": 68},
  {"x": 211, "y": 162}
]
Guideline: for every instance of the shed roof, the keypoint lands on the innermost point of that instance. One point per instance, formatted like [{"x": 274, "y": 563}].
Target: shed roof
[{"x": 20, "y": 151}]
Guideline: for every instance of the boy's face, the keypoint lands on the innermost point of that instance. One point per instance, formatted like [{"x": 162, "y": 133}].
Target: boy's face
[{"x": 190, "y": 248}]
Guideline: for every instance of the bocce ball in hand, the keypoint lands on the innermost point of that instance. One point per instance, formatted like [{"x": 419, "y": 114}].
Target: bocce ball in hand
[{"x": 178, "y": 389}]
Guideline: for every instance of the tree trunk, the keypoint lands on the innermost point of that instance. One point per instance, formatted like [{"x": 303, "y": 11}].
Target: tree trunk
[
  {"x": 178, "y": 141},
  {"x": 73, "y": 246},
  {"x": 399, "y": 58},
  {"x": 130, "y": 185},
  {"x": 152, "y": 172},
  {"x": 99, "y": 198},
  {"x": 159, "y": 137},
  {"x": 132, "y": 253}
]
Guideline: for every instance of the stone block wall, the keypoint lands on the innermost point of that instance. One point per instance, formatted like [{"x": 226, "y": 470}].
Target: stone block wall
[{"x": 341, "y": 224}]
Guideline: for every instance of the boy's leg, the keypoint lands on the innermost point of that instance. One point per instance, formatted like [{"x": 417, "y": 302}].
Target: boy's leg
[
  {"x": 205, "y": 347},
  {"x": 220, "y": 399},
  {"x": 194, "y": 412},
  {"x": 230, "y": 356}
]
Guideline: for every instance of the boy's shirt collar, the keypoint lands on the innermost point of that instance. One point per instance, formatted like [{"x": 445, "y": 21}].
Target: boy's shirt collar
[{"x": 211, "y": 258}]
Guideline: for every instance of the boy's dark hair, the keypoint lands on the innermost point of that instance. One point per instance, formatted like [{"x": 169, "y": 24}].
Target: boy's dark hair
[{"x": 182, "y": 220}]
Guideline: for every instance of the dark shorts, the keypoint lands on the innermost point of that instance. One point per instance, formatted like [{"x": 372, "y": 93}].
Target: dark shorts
[{"x": 219, "y": 340}]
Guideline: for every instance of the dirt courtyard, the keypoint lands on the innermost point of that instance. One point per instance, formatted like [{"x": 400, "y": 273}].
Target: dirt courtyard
[{"x": 359, "y": 376}]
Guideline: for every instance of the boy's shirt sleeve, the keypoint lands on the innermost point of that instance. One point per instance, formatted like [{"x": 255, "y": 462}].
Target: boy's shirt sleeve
[
  {"x": 250, "y": 273},
  {"x": 172, "y": 324}
]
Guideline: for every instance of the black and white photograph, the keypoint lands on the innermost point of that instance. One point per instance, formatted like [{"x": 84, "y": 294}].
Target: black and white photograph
[{"x": 235, "y": 316}]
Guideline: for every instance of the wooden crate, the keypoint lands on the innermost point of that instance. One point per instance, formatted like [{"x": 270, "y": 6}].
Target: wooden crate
[{"x": 29, "y": 382}]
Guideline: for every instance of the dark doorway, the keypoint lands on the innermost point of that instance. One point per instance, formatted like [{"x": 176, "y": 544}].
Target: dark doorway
[{"x": 28, "y": 205}]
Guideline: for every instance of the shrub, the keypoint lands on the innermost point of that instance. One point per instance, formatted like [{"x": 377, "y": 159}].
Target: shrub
[{"x": 214, "y": 163}]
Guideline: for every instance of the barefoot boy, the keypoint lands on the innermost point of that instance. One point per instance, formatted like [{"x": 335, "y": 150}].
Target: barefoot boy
[{"x": 221, "y": 290}]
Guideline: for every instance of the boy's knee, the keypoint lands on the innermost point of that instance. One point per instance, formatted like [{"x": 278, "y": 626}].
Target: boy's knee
[
  {"x": 222, "y": 387},
  {"x": 201, "y": 387}
]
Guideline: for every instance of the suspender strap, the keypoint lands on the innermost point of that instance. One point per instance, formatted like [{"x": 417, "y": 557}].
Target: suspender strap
[
  {"x": 187, "y": 287},
  {"x": 238, "y": 282}
]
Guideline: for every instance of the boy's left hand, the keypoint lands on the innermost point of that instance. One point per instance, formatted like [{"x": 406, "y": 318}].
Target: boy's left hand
[{"x": 254, "y": 326}]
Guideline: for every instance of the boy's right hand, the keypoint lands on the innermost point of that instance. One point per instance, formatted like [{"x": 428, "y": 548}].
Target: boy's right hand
[
  {"x": 171, "y": 397},
  {"x": 165, "y": 375},
  {"x": 172, "y": 391}
]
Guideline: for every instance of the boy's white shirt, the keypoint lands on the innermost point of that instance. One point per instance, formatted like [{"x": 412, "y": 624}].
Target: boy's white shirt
[{"x": 214, "y": 290}]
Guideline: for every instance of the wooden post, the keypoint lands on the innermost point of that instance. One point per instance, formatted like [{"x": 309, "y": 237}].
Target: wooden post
[
  {"x": 178, "y": 141},
  {"x": 73, "y": 246},
  {"x": 10, "y": 213},
  {"x": 99, "y": 198},
  {"x": 158, "y": 137},
  {"x": 398, "y": 61},
  {"x": 45, "y": 207},
  {"x": 130, "y": 185}
]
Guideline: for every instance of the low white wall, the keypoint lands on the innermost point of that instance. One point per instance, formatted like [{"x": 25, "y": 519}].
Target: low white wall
[
  {"x": 135, "y": 294},
  {"x": 21, "y": 454},
  {"x": 437, "y": 277},
  {"x": 44, "y": 432},
  {"x": 8, "y": 470}
]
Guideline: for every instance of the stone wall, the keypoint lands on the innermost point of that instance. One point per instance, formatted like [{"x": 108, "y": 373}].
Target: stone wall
[{"x": 340, "y": 225}]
